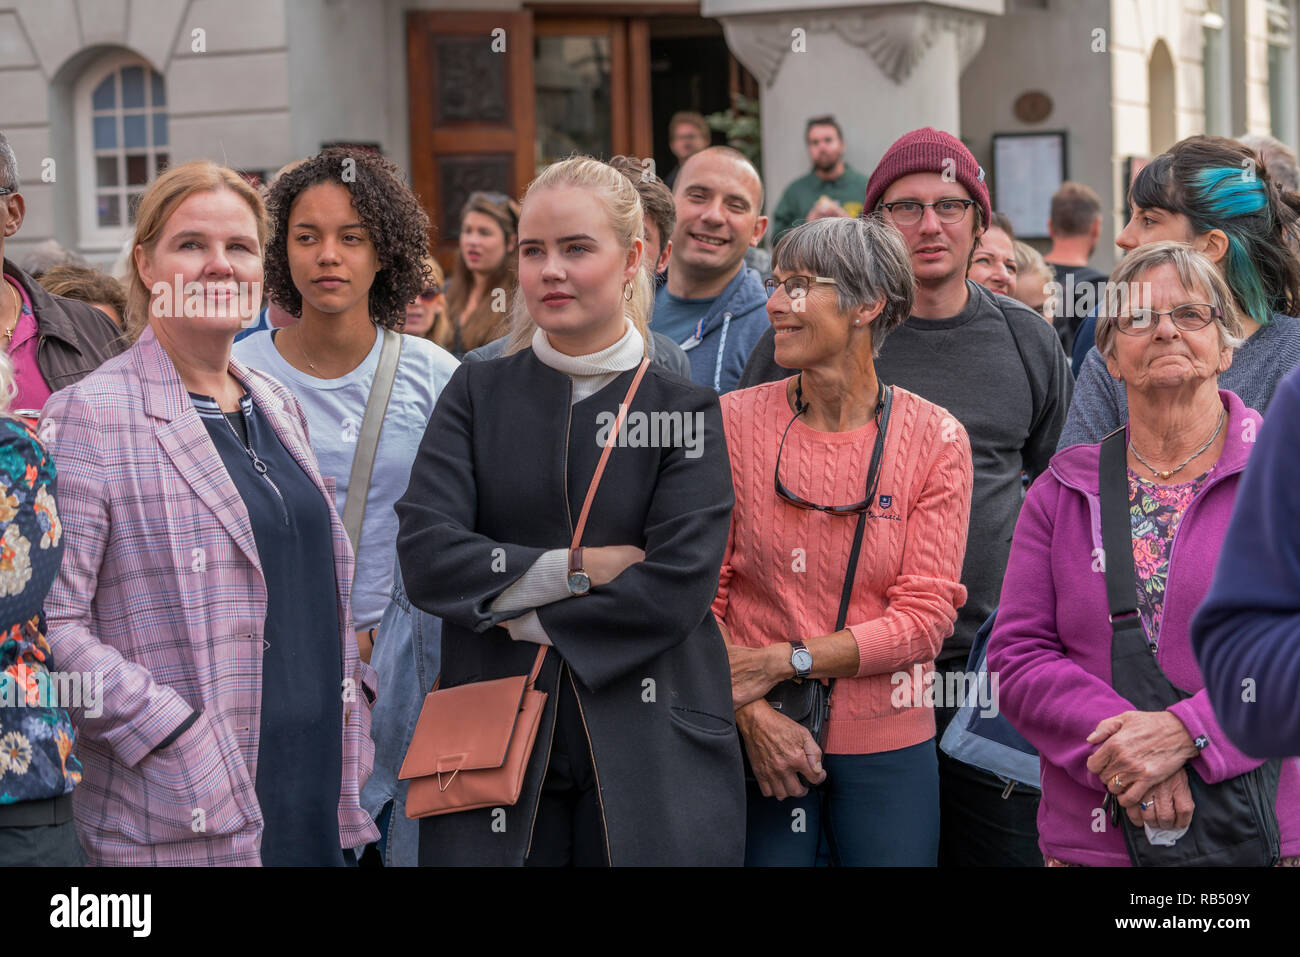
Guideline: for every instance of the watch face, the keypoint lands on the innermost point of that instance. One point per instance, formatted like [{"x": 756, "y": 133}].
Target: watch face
[
  {"x": 579, "y": 583},
  {"x": 802, "y": 660}
]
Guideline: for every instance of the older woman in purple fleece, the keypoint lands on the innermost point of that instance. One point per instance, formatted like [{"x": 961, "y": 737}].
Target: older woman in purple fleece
[{"x": 1168, "y": 341}]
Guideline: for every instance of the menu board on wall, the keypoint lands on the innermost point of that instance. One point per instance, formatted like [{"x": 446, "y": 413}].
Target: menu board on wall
[{"x": 1028, "y": 168}]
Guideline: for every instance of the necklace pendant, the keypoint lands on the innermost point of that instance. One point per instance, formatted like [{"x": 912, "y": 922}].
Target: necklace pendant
[{"x": 1165, "y": 475}]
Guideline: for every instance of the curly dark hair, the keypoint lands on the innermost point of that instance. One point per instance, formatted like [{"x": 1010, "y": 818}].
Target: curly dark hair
[{"x": 388, "y": 209}]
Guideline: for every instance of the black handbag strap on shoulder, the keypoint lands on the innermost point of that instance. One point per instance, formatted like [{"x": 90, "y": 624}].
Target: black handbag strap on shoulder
[
  {"x": 873, "y": 479},
  {"x": 1234, "y": 823},
  {"x": 1135, "y": 673}
]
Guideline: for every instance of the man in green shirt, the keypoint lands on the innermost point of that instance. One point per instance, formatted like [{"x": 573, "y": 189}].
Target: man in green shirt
[{"x": 833, "y": 188}]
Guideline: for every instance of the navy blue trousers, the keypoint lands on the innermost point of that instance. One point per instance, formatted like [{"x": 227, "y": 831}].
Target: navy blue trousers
[{"x": 874, "y": 810}]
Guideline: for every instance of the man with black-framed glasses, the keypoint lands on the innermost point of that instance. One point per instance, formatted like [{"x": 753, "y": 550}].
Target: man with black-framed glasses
[
  {"x": 51, "y": 341},
  {"x": 1001, "y": 372}
]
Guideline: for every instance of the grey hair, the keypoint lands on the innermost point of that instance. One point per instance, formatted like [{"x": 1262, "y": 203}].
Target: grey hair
[
  {"x": 1194, "y": 271},
  {"x": 1277, "y": 159},
  {"x": 8, "y": 165},
  {"x": 866, "y": 258}
]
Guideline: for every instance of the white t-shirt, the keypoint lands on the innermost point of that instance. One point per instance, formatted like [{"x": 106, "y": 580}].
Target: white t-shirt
[{"x": 334, "y": 409}]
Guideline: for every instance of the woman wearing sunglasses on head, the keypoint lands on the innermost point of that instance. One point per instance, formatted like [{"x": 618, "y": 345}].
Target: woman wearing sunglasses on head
[
  {"x": 844, "y": 560},
  {"x": 427, "y": 312},
  {"x": 478, "y": 289}
]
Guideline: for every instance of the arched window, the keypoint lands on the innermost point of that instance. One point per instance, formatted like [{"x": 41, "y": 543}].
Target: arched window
[
  {"x": 122, "y": 144},
  {"x": 1162, "y": 129}
]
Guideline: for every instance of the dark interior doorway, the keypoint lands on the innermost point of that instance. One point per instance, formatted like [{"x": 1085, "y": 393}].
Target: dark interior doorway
[{"x": 690, "y": 69}]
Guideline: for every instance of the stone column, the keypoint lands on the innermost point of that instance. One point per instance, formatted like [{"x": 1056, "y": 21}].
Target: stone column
[{"x": 880, "y": 69}]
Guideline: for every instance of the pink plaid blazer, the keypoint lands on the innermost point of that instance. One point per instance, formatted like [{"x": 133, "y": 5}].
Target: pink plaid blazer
[{"x": 161, "y": 593}]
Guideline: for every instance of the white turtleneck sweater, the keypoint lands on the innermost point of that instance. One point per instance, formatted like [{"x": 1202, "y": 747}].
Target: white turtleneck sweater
[
  {"x": 591, "y": 373},
  {"x": 548, "y": 579}
]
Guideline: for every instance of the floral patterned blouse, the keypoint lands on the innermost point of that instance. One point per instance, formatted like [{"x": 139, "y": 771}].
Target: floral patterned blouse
[
  {"x": 36, "y": 736},
  {"x": 1155, "y": 511}
]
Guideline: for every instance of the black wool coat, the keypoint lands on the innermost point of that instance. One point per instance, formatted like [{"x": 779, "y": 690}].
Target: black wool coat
[{"x": 500, "y": 478}]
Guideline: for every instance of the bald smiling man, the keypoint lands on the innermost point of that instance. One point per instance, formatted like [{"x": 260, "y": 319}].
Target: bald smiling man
[{"x": 713, "y": 305}]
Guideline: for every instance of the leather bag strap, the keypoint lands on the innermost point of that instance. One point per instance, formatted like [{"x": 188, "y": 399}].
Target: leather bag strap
[
  {"x": 604, "y": 456},
  {"x": 372, "y": 423}
]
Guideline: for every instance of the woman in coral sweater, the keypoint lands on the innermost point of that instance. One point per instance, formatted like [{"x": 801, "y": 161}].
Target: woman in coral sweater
[{"x": 800, "y": 449}]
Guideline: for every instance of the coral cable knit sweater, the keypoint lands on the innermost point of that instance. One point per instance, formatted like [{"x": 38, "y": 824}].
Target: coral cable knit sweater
[{"x": 784, "y": 566}]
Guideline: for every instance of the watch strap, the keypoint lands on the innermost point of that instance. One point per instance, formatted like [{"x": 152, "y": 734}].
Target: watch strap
[
  {"x": 797, "y": 645},
  {"x": 575, "y": 560}
]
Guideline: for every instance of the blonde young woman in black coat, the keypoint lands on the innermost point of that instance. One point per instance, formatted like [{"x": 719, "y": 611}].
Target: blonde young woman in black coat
[{"x": 637, "y": 760}]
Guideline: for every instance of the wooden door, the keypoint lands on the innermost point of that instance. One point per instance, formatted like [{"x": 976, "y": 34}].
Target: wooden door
[{"x": 471, "y": 112}]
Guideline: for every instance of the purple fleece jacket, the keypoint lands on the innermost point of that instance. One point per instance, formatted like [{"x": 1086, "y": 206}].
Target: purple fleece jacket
[{"x": 1051, "y": 645}]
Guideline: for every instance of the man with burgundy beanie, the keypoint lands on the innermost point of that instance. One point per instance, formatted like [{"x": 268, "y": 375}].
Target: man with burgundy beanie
[{"x": 999, "y": 369}]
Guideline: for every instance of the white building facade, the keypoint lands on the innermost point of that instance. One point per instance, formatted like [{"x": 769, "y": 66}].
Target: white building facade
[{"x": 101, "y": 94}]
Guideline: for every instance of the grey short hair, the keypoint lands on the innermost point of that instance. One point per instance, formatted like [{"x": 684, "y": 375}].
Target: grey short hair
[
  {"x": 866, "y": 258},
  {"x": 1277, "y": 159},
  {"x": 8, "y": 165},
  {"x": 1195, "y": 271}
]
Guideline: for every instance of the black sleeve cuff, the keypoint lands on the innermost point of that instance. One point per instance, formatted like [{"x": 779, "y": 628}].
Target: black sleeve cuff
[{"x": 177, "y": 732}]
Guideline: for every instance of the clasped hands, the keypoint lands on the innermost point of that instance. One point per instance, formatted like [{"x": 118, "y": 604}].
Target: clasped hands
[{"x": 1141, "y": 760}]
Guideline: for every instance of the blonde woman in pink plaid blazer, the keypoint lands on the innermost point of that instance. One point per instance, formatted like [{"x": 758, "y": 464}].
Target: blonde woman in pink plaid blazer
[{"x": 182, "y": 592}]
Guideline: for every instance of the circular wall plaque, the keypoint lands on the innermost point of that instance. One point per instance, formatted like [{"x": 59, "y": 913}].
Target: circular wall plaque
[{"x": 1032, "y": 107}]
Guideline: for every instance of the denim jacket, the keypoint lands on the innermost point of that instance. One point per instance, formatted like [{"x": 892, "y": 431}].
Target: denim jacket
[{"x": 407, "y": 656}]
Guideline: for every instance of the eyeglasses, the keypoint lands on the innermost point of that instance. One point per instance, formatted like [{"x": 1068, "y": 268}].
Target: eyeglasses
[
  {"x": 786, "y": 495},
  {"x": 909, "y": 212},
  {"x": 796, "y": 287},
  {"x": 1188, "y": 317},
  {"x": 430, "y": 292}
]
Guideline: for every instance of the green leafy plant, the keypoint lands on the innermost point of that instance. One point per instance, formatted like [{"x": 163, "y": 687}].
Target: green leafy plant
[{"x": 741, "y": 127}]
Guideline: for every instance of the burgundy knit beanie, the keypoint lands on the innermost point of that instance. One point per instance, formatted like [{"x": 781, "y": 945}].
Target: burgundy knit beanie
[{"x": 928, "y": 150}]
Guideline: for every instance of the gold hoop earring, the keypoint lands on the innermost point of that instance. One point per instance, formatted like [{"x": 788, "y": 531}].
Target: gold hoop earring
[{"x": 629, "y": 291}]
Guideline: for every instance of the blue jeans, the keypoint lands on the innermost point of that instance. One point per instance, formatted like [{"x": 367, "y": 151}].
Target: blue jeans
[
  {"x": 874, "y": 810},
  {"x": 407, "y": 658}
]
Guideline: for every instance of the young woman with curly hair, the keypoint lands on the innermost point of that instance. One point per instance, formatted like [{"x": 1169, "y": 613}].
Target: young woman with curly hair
[{"x": 347, "y": 254}]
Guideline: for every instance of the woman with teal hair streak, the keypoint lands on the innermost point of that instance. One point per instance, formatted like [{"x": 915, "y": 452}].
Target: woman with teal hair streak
[{"x": 1215, "y": 195}]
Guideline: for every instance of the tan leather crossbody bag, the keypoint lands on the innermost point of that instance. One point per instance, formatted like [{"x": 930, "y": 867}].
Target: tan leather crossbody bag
[{"x": 472, "y": 743}]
